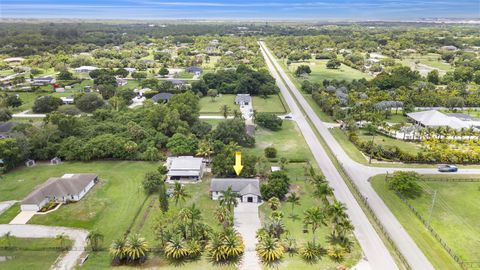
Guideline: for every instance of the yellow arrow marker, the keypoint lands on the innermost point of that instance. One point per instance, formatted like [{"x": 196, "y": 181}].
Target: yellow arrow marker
[{"x": 238, "y": 163}]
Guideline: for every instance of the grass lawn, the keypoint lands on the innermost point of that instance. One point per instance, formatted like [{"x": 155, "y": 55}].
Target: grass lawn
[
  {"x": 271, "y": 104},
  {"x": 110, "y": 206},
  {"x": 430, "y": 59},
  {"x": 295, "y": 226},
  {"x": 213, "y": 122},
  {"x": 455, "y": 218},
  {"x": 209, "y": 106},
  {"x": 320, "y": 72},
  {"x": 28, "y": 253},
  {"x": 381, "y": 139},
  {"x": 288, "y": 141},
  {"x": 10, "y": 214},
  {"x": 28, "y": 98}
]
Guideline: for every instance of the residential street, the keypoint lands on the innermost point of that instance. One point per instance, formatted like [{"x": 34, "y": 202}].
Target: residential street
[
  {"x": 69, "y": 260},
  {"x": 247, "y": 222},
  {"x": 377, "y": 254}
]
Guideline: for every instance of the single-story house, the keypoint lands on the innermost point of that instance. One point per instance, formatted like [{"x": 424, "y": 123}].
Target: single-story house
[
  {"x": 6, "y": 129},
  {"x": 85, "y": 69},
  {"x": 60, "y": 89},
  {"x": 433, "y": 118},
  {"x": 178, "y": 83},
  {"x": 67, "y": 100},
  {"x": 162, "y": 97},
  {"x": 69, "y": 187},
  {"x": 185, "y": 168},
  {"x": 121, "y": 81},
  {"x": 130, "y": 70},
  {"x": 87, "y": 89},
  {"x": 43, "y": 81},
  {"x": 55, "y": 161},
  {"x": 243, "y": 99},
  {"x": 194, "y": 70},
  {"x": 248, "y": 189},
  {"x": 13, "y": 60}
]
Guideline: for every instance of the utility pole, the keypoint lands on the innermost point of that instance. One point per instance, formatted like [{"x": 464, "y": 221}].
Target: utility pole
[{"x": 431, "y": 208}]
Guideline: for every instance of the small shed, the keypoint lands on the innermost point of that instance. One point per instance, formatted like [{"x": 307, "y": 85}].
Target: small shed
[
  {"x": 30, "y": 163},
  {"x": 55, "y": 161}
]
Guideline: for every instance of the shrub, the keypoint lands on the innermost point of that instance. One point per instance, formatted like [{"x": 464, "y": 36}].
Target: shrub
[
  {"x": 270, "y": 152},
  {"x": 277, "y": 185},
  {"x": 46, "y": 104},
  {"x": 269, "y": 120}
]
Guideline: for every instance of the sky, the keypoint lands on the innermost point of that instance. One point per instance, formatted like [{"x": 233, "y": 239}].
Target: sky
[{"x": 295, "y": 10}]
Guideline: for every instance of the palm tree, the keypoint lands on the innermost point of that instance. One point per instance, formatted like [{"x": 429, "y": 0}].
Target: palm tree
[
  {"x": 311, "y": 252},
  {"x": 274, "y": 203},
  {"x": 179, "y": 193},
  {"x": 117, "y": 250},
  {"x": 61, "y": 239},
  {"x": 274, "y": 228},
  {"x": 314, "y": 218},
  {"x": 270, "y": 250},
  {"x": 194, "y": 215},
  {"x": 336, "y": 214},
  {"x": 205, "y": 149},
  {"x": 176, "y": 249},
  {"x": 232, "y": 244},
  {"x": 323, "y": 191},
  {"x": 236, "y": 114},
  {"x": 336, "y": 252},
  {"x": 229, "y": 199},
  {"x": 293, "y": 199},
  {"x": 283, "y": 162},
  {"x": 225, "y": 111},
  {"x": 136, "y": 248},
  {"x": 215, "y": 249},
  {"x": 224, "y": 216},
  {"x": 95, "y": 238}
]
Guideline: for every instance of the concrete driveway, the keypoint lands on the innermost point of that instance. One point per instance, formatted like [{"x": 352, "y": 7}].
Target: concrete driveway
[
  {"x": 66, "y": 262},
  {"x": 23, "y": 217},
  {"x": 247, "y": 222}
]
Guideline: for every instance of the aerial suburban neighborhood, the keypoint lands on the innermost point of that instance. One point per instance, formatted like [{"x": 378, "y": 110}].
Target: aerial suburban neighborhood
[{"x": 248, "y": 135}]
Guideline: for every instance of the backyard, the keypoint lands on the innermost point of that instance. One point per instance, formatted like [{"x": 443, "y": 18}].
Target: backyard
[
  {"x": 272, "y": 104},
  {"x": 455, "y": 217}
]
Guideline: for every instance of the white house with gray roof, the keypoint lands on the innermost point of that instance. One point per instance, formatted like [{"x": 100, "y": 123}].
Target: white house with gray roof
[
  {"x": 248, "y": 189},
  {"x": 69, "y": 187},
  {"x": 243, "y": 99},
  {"x": 185, "y": 169}
]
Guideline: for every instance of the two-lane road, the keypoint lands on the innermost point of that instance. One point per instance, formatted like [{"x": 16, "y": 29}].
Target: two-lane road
[{"x": 373, "y": 248}]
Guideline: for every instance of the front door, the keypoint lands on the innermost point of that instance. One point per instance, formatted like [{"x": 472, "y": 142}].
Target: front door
[{"x": 249, "y": 199}]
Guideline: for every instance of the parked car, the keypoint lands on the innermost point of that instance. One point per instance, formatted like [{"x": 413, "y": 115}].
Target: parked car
[{"x": 447, "y": 168}]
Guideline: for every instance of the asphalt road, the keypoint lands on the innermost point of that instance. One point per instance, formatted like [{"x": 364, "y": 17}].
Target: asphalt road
[
  {"x": 373, "y": 248},
  {"x": 360, "y": 174}
]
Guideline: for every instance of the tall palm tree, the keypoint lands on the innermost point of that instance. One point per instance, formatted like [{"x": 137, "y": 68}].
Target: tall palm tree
[
  {"x": 274, "y": 203},
  {"x": 179, "y": 193},
  {"x": 117, "y": 250},
  {"x": 270, "y": 250},
  {"x": 194, "y": 216},
  {"x": 136, "y": 248},
  {"x": 229, "y": 199},
  {"x": 323, "y": 191},
  {"x": 236, "y": 114},
  {"x": 293, "y": 199},
  {"x": 314, "y": 218},
  {"x": 95, "y": 238},
  {"x": 336, "y": 214},
  {"x": 225, "y": 111},
  {"x": 205, "y": 149},
  {"x": 61, "y": 239}
]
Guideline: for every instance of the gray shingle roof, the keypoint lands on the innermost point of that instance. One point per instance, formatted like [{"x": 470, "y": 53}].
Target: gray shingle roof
[
  {"x": 6, "y": 127},
  {"x": 162, "y": 97},
  {"x": 243, "y": 98},
  {"x": 69, "y": 184},
  {"x": 242, "y": 186}
]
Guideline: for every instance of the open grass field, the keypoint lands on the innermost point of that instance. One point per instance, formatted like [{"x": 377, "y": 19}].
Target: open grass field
[
  {"x": 271, "y": 104},
  {"x": 381, "y": 139},
  {"x": 295, "y": 225},
  {"x": 28, "y": 254},
  {"x": 431, "y": 60},
  {"x": 10, "y": 214},
  {"x": 455, "y": 218},
  {"x": 288, "y": 141},
  {"x": 28, "y": 98},
  {"x": 320, "y": 72},
  {"x": 209, "y": 106}
]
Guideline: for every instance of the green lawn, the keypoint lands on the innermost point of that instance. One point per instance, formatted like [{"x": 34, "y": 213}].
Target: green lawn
[
  {"x": 10, "y": 214},
  {"x": 28, "y": 253},
  {"x": 213, "y": 122},
  {"x": 207, "y": 105},
  {"x": 320, "y": 72},
  {"x": 295, "y": 226},
  {"x": 381, "y": 139},
  {"x": 455, "y": 218},
  {"x": 28, "y": 98},
  {"x": 271, "y": 104},
  {"x": 109, "y": 206},
  {"x": 288, "y": 141},
  {"x": 430, "y": 59}
]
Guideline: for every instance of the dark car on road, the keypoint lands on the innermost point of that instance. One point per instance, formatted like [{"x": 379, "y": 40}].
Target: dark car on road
[{"x": 447, "y": 168}]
